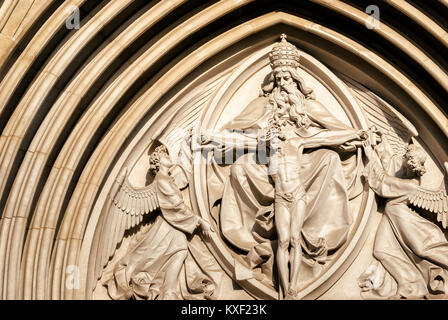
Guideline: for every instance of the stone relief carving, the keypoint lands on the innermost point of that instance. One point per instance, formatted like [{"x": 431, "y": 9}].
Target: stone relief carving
[
  {"x": 412, "y": 251},
  {"x": 152, "y": 266},
  {"x": 260, "y": 212},
  {"x": 278, "y": 185}
]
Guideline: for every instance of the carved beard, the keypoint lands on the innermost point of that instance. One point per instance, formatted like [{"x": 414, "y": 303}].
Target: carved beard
[
  {"x": 291, "y": 104},
  {"x": 281, "y": 101}
]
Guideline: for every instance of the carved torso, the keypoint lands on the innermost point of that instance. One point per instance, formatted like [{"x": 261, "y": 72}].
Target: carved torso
[{"x": 285, "y": 165}]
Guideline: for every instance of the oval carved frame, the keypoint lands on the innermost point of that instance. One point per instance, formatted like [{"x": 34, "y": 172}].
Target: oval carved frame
[{"x": 348, "y": 252}]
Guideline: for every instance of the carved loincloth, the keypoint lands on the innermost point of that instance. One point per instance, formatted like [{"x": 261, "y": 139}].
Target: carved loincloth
[{"x": 290, "y": 199}]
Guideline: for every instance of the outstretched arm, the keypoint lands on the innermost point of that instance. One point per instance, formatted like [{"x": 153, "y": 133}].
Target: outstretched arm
[
  {"x": 380, "y": 181},
  {"x": 384, "y": 150},
  {"x": 228, "y": 139},
  {"x": 334, "y": 138}
]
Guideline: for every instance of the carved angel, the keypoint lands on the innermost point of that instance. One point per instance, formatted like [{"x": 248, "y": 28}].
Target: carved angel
[
  {"x": 151, "y": 268},
  {"x": 411, "y": 252},
  {"x": 410, "y": 248}
]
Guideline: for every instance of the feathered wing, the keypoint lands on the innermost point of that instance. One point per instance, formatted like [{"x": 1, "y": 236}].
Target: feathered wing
[
  {"x": 399, "y": 132},
  {"x": 175, "y": 135},
  {"x": 128, "y": 205},
  {"x": 432, "y": 200},
  {"x": 380, "y": 114}
]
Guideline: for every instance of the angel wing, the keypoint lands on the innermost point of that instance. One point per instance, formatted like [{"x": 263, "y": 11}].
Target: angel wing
[
  {"x": 380, "y": 114},
  {"x": 432, "y": 200},
  {"x": 176, "y": 136},
  {"x": 128, "y": 205},
  {"x": 435, "y": 201}
]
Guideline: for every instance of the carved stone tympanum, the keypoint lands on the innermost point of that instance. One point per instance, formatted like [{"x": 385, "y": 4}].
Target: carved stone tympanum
[{"x": 281, "y": 181}]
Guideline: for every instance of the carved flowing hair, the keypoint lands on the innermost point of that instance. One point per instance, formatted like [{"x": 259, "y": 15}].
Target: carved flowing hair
[
  {"x": 415, "y": 159},
  {"x": 306, "y": 91},
  {"x": 294, "y": 102},
  {"x": 154, "y": 159}
]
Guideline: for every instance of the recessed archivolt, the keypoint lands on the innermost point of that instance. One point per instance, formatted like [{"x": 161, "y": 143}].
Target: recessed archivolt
[
  {"x": 138, "y": 109},
  {"x": 394, "y": 37},
  {"x": 34, "y": 47},
  {"x": 69, "y": 156},
  {"x": 44, "y": 261},
  {"x": 16, "y": 20},
  {"x": 52, "y": 126},
  {"x": 58, "y": 116},
  {"x": 423, "y": 20}
]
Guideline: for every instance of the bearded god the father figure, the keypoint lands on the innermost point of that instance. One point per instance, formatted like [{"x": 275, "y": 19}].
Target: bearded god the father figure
[{"x": 241, "y": 195}]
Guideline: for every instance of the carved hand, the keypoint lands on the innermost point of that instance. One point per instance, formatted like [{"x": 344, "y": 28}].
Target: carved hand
[
  {"x": 378, "y": 132},
  {"x": 367, "y": 149},
  {"x": 376, "y": 135},
  {"x": 206, "y": 229},
  {"x": 363, "y": 135},
  {"x": 205, "y": 138},
  {"x": 201, "y": 141}
]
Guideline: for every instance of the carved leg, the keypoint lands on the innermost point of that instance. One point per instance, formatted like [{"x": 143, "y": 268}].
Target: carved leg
[
  {"x": 172, "y": 276},
  {"x": 297, "y": 218},
  {"x": 422, "y": 237},
  {"x": 283, "y": 223},
  {"x": 389, "y": 251}
]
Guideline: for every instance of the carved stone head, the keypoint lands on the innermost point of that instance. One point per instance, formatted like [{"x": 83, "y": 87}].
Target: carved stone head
[
  {"x": 285, "y": 79},
  {"x": 159, "y": 157},
  {"x": 415, "y": 158}
]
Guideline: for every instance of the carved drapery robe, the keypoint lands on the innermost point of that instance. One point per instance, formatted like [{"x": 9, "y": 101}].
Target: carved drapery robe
[
  {"x": 247, "y": 193},
  {"x": 413, "y": 250},
  {"x": 141, "y": 272}
]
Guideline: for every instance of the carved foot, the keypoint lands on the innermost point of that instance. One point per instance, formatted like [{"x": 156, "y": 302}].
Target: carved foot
[{"x": 292, "y": 295}]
